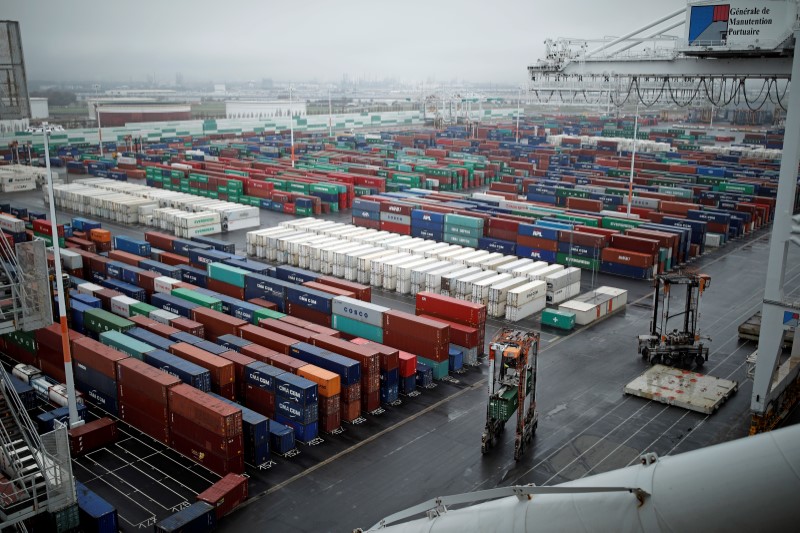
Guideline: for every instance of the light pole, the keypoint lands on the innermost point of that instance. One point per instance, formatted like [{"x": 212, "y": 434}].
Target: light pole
[
  {"x": 74, "y": 421},
  {"x": 633, "y": 159},
  {"x": 519, "y": 105},
  {"x": 291, "y": 124},
  {"x": 99, "y": 129},
  {"x": 330, "y": 114}
]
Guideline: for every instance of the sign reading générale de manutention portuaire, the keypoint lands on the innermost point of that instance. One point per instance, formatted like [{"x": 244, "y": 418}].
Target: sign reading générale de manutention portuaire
[{"x": 748, "y": 16}]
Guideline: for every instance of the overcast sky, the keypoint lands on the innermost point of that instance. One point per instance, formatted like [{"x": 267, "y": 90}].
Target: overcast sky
[{"x": 238, "y": 40}]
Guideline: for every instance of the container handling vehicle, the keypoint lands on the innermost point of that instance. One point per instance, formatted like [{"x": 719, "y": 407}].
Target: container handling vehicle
[
  {"x": 512, "y": 388},
  {"x": 683, "y": 347}
]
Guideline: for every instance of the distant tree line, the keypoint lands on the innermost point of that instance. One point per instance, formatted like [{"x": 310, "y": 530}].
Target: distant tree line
[{"x": 56, "y": 98}]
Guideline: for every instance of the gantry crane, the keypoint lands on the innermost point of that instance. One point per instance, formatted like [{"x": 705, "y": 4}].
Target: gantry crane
[
  {"x": 725, "y": 44},
  {"x": 512, "y": 388},
  {"x": 676, "y": 347}
]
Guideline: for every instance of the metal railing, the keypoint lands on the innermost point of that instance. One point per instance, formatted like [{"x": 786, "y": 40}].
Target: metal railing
[{"x": 25, "y": 269}]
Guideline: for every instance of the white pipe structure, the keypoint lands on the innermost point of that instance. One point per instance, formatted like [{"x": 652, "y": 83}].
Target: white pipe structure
[
  {"x": 291, "y": 124},
  {"x": 330, "y": 114},
  {"x": 74, "y": 421},
  {"x": 749, "y": 484},
  {"x": 633, "y": 33}
]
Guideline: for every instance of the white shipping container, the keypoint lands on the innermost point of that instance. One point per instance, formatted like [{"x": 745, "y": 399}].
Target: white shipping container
[
  {"x": 473, "y": 259},
  {"x": 365, "y": 264},
  {"x": 480, "y": 289},
  {"x": 530, "y": 267},
  {"x": 410, "y": 245},
  {"x": 523, "y": 294},
  {"x": 165, "y": 284},
  {"x": 353, "y": 260},
  {"x": 510, "y": 267},
  {"x": 360, "y": 311},
  {"x": 619, "y": 297},
  {"x": 188, "y": 233},
  {"x": 377, "y": 266},
  {"x": 498, "y": 296},
  {"x": 455, "y": 254},
  {"x": 390, "y": 269},
  {"x": 464, "y": 284},
  {"x": 419, "y": 275},
  {"x": 165, "y": 317},
  {"x": 585, "y": 313},
  {"x": 89, "y": 288},
  {"x": 525, "y": 310},
  {"x": 448, "y": 280},
  {"x": 241, "y": 223},
  {"x": 433, "y": 279},
  {"x": 339, "y": 261},
  {"x": 563, "y": 294},
  {"x": 563, "y": 278},
  {"x": 404, "y": 273},
  {"x": 544, "y": 272},
  {"x": 121, "y": 305},
  {"x": 496, "y": 263},
  {"x": 70, "y": 260},
  {"x": 12, "y": 224}
]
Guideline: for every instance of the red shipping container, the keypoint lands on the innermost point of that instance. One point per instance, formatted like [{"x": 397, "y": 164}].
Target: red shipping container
[
  {"x": 287, "y": 329},
  {"x": 225, "y": 288},
  {"x": 259, "y": 400},
  {"x": 606, "y": 233},
  {"x": 461, "y": 335},
  {"x": 305, "y": 324},
  {"x": 97, "y": 356},
  {"x": 395, "y": 227},
  {"x": 216, "y": 323},
  {"x": 330, "y": 422},
  {"x": 351, "y": 411},
  {"x": 105, "y": 295},
  {"x": 330, "y": 404},
  {"x": 363, "y": 292},
  {"x": 189, "y": 326},
  {"x": 168, "y": 258},
  {"x": 408, "y": 364},
  {"x": 239, "y": 361},
  {"x": 125, "y": 257},
  {"x": 350, "y": 394},
  {"x": 306, "y": 313},
  {"x": 287, "y": 363},
  {"x": 259, "y": 353},
  {"x": 626, "y": 257},
  {"x": 370, "y": 401},
  {"x": 389, "y": 357},
  {"x": 152, "y": 326},
  {"x": 212, "y": 414},
  {"x": 584, "y": 204},
  {"x": 268, "y": 339},
  {"x": 397, "y": 208},
  {"x": 225, "y": 445},
  {"x": 421, "y": 347},
  {"x": 263, "y": 303},
  {"x": 432, "y": 331},
  {"x": 147, "y": 281},
  {"x": 162, "y": 241},
  {"x": 215, "y": 463},
  {"x": 538, "y": 243},
  {"x": 329, "y": 289},
  {"x": 226, "y": 494},
  {"x": 634, "y": 244},
  {"x": 367, "y": 356},
  {"x": 460, "y": 311},
  {"x": 156, "y": 428},
  {"x": 92, "y": 436},
  {"x": 140, "y": 376},
  {"x": 222, "y": 370},
  {"x": 50, "y": 337},
  {"x": 141, "y": 400},
  {"x": 582, "y": 239}
]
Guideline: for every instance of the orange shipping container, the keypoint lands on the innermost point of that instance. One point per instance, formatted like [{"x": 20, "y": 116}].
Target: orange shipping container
[
  {"x": 328, "y": 383},
  {"x": 100, "y": 235}
]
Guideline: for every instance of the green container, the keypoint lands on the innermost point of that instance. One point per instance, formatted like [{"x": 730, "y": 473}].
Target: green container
[
  {"x": 66, "y": 519},
  {"x": 463, "y": 231},
  {"x": 24, "y": 339},
  {"x": 737, "y": 187},
  {"x": 462, "y": 220},
  {"x": 558, "y": 319},
  {"x": 100, "y": 320},
  {"x": 198, "y": 298},
  {"x": 461, "y": 240},
  {"x": 264, "y": 313},
  {"x": 350, "y": 326},
  {"x": 141, "y": 308},
  {"x": 620, "y": 223},
  {"x": 126, "y": 344},
  {"x": 227, "y": 274},
  {"x": 440, "y": 370},
  {"x": 578, "y": 261},
  {"x": 504, "y": 406}
]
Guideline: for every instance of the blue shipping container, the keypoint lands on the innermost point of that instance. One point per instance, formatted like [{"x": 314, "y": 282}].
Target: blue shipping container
[
  {"x": 193, "y": 275},
  {"x": 232, "y": 342},
  {"x": 348, "y": 369},
  {"x": 197, "y": 518},
  {"x": 302, "y": 414},
  {"x": 295, "y": 388},
  {"x": 310, "y": 298},
  {"x": 173, "y": 304},
  {"x": 188, "y": 338},
  {"x": 294, "y": 274},
  {"x": 97, "y": 515},
  {"x": 131, "y": 245},
  {"x": 281, "y": 437},
  {"x": 188, "y": 372},
  {"x": 535, "y": 253},
  {"x": 302, "y": 432}
]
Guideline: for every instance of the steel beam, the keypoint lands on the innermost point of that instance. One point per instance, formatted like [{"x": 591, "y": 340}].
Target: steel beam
[{"x": 690, "y": 67}]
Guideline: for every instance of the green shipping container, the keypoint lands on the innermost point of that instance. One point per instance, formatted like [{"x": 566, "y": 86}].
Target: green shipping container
[
  {"x": 200, "y": 299},
  {"x": 227, "y": 274},
  {"x": 440, "y": 370},
  {"x": 558, "y": 319},
  {"x": 504, "y": 406},
  {"x": 461, "y": 240},
  {"x": 619, "y": 223},
  {"x": 577, "y": 261},
  {"x": 24, "y": 339},
  {"x": 359, "y": 329},
  {"x": 100, "y": 320},
  {"x": 142, "y": 308},
  {"x": 462, "y": 220},
  {"x": 126, "y": 344},
  {"x": 464, "y": 231},
  {"x": 264, "y": 313}
]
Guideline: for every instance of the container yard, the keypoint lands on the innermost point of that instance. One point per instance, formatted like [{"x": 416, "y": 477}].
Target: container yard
[{"x": 224, "y": 324}]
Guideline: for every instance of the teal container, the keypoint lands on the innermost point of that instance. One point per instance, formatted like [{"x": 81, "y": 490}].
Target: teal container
[
  {"x": 463, "y": 231},
  {"x": 227, "y": 274},
  {"x": 558, "y": 319},
  {"x": 345, "y": 324},
  {"x": 142, "y": 308},
  {"x": 463, "y": 220},
  {"x": 126, "y": 344},
  {"x": 440, "y": 370},
  {"x": 264, "y": 313},
  {"x": 461, "y": 240}
]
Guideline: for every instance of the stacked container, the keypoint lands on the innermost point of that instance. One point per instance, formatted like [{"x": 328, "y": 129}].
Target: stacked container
[
  {"x": 144, "y": 397},
  {"x": 526, "y": 300},
  {"x": 329, "y": 391},
  {"x": 467, "y": 321},
  {"x": 94, "y": 368},
  {"x": 358, "y": 318},
  {"x": 296, "y": 405},
  {"x": 427, "y": 338},
  {"x": 359, "y": 370},
  {"x": 206, "y": 429},
  {"x": 462, "y": 230}
]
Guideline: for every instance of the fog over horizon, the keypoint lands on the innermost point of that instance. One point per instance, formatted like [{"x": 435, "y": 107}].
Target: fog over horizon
[{"x": 243, "y": 40}]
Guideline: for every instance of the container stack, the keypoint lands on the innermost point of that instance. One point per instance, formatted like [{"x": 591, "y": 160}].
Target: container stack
[
  {"x": 206, "y": 429},
  {"x": 367, "y": 213},
  {"x": 396, "y": 217},
  {"x": 255, "y": 433},
  {"x": 390, "y": 369},
  {"x": 259, "y": 392},
  {"x": 358, "y": 318},
  {"x": 144, "y": 397},
  {"x": 467, "y": 322},
  {"x": 428, "y": 338},
  {"x": 329, "y": 391},
  {"x": 427, "y": 224},
  {"x": 526, "y": 300},
  {"x": 498, "y": 296},
  {"x": 563, "y": 285},
  {"x": 360, "y": 382},
  {"x": 94, "y": 368},
  {"x": 296, "y": 405},
  {"x": 462, "y": 230}
]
